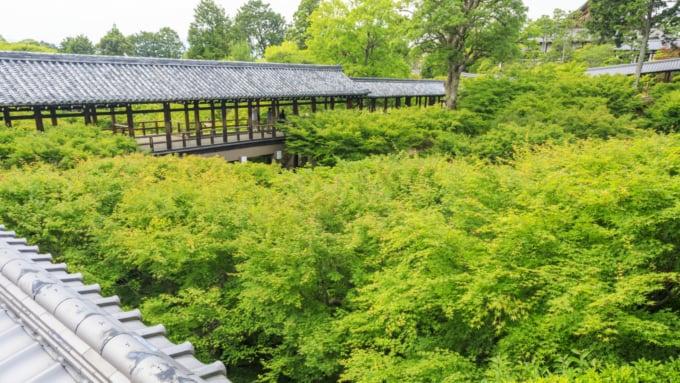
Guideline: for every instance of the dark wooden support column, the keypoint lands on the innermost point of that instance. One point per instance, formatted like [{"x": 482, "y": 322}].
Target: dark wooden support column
[
  {"x": 167, "y": 118},
  {"x": 372, "y": 107},
  {"x": 397, "y": 102},
  {"x": 212, "y": 112},
  {"x": 258, "y": 113},
  {"x": 6, "y": 116},
  {"x": 130, "y": 120},
  {"x": 332, "y": 103},
  {"x": 349, "y": 103},
  {"x": 408, "y": 101},
  {"x": 38, "y": 119},
  {"x": 223, "y": 115},
  {"x": 250, "y": 119},
  {"x": 94, "y": 115},
  {"x": 387, "y": 100},
  {"x": 361, "y": 103},
  {"x": 53, "y": 115},
  {"x": 325, "y": 103},
  {"x": 197, "y": 122},
  {"x": 296, "y": 108},
  {"x": 86, "y": 115},
  {"x": 313, "y": 104},
  {"x": 187, "y": 119},
  {"x": 237, "y": 123},
  {"x": 112, "y": 112}
]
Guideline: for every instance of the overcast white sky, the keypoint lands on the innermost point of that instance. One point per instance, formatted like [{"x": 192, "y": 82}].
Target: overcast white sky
[{"x": 53, "y": 20}]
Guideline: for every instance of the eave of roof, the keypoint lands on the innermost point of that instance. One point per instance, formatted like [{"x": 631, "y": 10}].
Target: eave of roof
[
  {"x": 393, "y": 87},
  {"x": 659, "y": 66},
  {"x": 79, "y": 335}
]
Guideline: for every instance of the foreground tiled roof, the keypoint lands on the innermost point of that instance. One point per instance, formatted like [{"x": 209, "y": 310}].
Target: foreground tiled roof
[
  {"x": 30, "y": 79},
  {"x": 629, "y": 69},
  {"x": 55, "y": 329}
]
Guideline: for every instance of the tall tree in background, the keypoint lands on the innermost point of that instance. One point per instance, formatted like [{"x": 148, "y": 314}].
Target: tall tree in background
[
  {"x": 165, "y": 43},
  {"x": 80, "y": 44},
  {"x": 258, "y": 24},
  {"x": 114, "y": 43},
  {"x": 366, "y": 36},
  {"x": 210, "y": 32},
  {"x": 631, "y": 21},
  {"x": 460, "y": 32},
  {"x": 298, "y": 30}
]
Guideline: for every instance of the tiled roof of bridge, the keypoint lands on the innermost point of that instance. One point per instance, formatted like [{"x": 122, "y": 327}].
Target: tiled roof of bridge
[
  {"x": 55, "y": 329},
  {"x": 659, "y": 66},
  {"x": 32, "y": 79},
  {"x": 394, "y": 87}
]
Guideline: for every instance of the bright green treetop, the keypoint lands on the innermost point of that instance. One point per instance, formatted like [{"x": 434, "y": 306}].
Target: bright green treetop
[
  {"x": 164, "y": 43},
  {"x": 260, "y": 26},
  {"x": 366, "y": 36},
  {"x": 210, "y": 32},
  {"x": 460, "y": 32},
  {"x": 114, "y": 43},
  {"x": 80, "y": 44}
]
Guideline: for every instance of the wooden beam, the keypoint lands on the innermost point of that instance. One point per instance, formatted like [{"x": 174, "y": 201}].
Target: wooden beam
[{"x": 167, "y": 118}]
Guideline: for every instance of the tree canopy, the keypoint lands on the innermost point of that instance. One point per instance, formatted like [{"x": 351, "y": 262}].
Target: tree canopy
[
  {"x": 260, "y": 26},
  {"x": 165, "y": 43},
  {"x": 114, "y": 43},
  {"x": 210, "y": 33},
  {"x": 80, "y": 44}
]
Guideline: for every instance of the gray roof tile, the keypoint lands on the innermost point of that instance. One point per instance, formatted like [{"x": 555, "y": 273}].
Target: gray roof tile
[
  {"x": 55, "y": 329},
  {"x": 29, "y": 79},
  {"x": 391, "y": 87},
  {"x": 629, "y": 69}
]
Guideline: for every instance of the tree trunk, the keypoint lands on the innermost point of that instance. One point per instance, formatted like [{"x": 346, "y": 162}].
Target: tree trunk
[
  {"x": 647, "y": 30},
  {"x": 451, "y": 87}
]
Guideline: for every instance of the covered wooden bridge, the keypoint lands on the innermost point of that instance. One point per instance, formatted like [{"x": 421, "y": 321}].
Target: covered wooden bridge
[{"x": 187, "y": 106}]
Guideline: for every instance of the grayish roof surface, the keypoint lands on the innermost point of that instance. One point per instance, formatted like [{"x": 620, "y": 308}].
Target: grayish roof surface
[
  {"x": 55, "y": 329},
  {"x": 29, "y": 79},
  {"x": 629, "y": 69},
  {"x": 391, "y": 87}
]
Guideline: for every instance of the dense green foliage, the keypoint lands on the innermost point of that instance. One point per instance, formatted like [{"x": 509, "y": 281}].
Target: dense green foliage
[
  {"x": 498, "y": 115},
  {"x": 257, "y": 24},
  {"x": 62, "y": 146},
  {"x": 560, "y": 265}
]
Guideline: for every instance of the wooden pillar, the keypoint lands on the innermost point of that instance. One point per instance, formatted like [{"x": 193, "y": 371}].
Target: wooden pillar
[
  {"x": 408, "y": 101},
  {"x": 397, "y": 102},
  {"x": 237, "y": 123},
  {"x": 53, "y": 115},
  {"x": 86, "y": 115},
  {"x": 94, "y": 115},
  {"x": 385, "y": 106},
  {"x": 313, "y": 104},
  {"x": 325, "y": 103},
  {"x": 250, "y": 119},
  {"x": 361, "y": 103},
  {"x": 296, "y": 109},
  {"x": 372, "y": 107},
  {"x": 197, "y": 122},
  {"x": 112, "y": 112},
  {"x": 38, "y": 119},
  {"x": 332, "y": 103},
  {"x": 187, "y": 120},
  {"x": 349, "y": 103},
  {"x": 130, "y": 120},
  {"x": 167, "y": 118},
  {"x": 6, "y": 116},
  {"x": 212, "y": 112},
  {"x": 223, "y": 113}
]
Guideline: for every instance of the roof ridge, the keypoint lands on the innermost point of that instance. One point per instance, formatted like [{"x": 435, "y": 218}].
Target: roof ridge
[{"x": 151, "y": 61}]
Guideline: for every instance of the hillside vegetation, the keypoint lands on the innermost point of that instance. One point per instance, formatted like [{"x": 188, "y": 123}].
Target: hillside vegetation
[{"x": 532, "y": 236}]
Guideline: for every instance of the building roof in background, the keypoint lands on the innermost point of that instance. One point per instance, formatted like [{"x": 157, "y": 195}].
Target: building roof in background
[
  {"x": 55, "y": 329},
  {"x": 659, "y": 66},
  {"x": 36, "y": 79}
]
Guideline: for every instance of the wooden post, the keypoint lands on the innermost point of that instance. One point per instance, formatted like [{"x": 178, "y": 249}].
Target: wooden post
[
  {"x": 332, "y": 103},
  {"x": 130, "y": 120},
  {"x": 223, "y": 110},
  {"x": 53, "y": 115},
  {"x": 6, "y": 116},
  {"x": 38, "y": 119},
  {"x": 313, "y": 104},
  {"x": 361, "y": 103},
  {"x": 408, "y": 101},
  {"x": 197, "y": 122},
  {"x": 397, "y": 102},
  {"x": 325, "y": 103},
  {"x": 94, "y": 115},
  {"x": 212, "y": 113},
  {"x": 349, "y": 103},
  {"x": 372, "y": 107},
  {"x": 250, "y": 119},
  {"x": 296, "y": 110},
  {"x": 167, "y": 117},
  {"x": 112, "y": 110},
  {"x": 187, "y": 120},
  {"x": 237, "y": 123},
  {"x": 385, "y": 106},
  {"x": 86, "y": 115}
]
